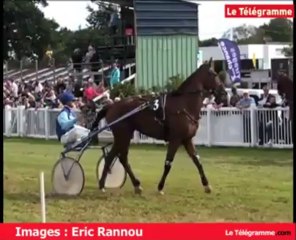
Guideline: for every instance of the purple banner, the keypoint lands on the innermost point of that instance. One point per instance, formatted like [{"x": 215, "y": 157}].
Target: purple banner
[{"x": 231, "y": 54}]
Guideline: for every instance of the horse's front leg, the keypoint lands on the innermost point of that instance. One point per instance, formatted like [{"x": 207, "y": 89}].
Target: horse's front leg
[
  {"x": 189, "y": 146},
  {"x": 171, "y": 152}
]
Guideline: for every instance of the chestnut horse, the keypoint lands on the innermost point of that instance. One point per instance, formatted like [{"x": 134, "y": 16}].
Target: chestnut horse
[{"x": 173, "y": 117}]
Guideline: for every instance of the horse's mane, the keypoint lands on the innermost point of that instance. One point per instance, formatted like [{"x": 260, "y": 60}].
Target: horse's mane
[
  {"x": 285, "y": 85},
  {"x": 188, "y": 80},
  {"x": 285, "y": 79}
]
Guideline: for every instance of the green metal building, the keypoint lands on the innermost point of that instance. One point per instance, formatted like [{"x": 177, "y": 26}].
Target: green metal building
[{"x": 166, "y": 40}]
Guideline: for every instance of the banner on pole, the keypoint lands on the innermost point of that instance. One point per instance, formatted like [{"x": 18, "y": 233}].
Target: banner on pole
[{"x": 231, "y": 54}]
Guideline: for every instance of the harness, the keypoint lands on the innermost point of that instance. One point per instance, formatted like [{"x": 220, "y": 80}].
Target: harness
[{"x": 158, "y": 105}]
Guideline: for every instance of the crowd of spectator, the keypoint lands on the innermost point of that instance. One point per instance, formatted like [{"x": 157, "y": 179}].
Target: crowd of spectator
[
  {"x": 46, "y": 94},
  {"x": 224, "y": 99},
  {"x": 270, "y": 124}
]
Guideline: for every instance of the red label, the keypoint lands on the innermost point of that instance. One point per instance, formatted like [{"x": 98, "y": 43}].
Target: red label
[
  {"x": 151, "y": 231},
  {"x": 259, "y": 11},
  {"x": 129, "y": 31}
]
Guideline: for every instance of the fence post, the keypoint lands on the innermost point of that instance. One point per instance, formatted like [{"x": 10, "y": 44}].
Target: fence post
[
  {"x": 7, "y": 120},
  {"x": 209, "y": 124},
  {"x": 21, "y": 120},
  {"x": 135, "y": 137},
  {"x": 129, "y": 70},
  {"x": 47, "y": 123},
  {"x": 17, "y": 115},
  {"x": 253, "y": 126}
]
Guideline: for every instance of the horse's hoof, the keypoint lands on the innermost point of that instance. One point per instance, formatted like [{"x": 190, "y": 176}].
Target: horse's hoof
[
  {"x": 208, "y": 189},
  {"x": 103, "y": 190},
  {"x": 161, "y": 192},
  {"x": 138, "y": 190}
]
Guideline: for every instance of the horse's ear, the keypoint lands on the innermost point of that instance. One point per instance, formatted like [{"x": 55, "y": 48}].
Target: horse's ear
[{"x": 210, "y": 62}]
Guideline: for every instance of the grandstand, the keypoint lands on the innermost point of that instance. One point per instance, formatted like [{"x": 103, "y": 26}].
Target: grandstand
[{"x": 50, "y": 74}]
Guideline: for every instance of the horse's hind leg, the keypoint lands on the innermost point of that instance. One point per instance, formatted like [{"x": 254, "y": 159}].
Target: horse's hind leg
[
  {"x": 195, "y": 158},
  {"x": 123, "y": 157},
  {"x": 136, "y": 182},
  {"x": 172, "y": 149}
]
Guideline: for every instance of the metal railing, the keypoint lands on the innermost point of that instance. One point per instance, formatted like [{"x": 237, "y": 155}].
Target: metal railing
[
  {"x": 129, "y": 79},
  {"x": 51, "y": 74},
  {"x": 224, "y": 127}
]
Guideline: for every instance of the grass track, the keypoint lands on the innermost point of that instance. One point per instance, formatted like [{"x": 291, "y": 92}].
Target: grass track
[{"x": 253, "y": 185}]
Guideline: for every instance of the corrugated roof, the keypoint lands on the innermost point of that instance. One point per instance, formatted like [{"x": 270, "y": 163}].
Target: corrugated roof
[{"x": 166, "y": 17}]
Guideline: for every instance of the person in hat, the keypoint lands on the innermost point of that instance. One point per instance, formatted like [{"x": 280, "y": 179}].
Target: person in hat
[{"x": 66, "y": 128}]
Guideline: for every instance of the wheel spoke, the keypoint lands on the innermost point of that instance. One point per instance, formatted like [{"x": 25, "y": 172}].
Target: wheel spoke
[{"x": 74, "y": 182}]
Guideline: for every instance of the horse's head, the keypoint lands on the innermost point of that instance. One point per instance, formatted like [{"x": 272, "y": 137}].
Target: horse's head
[
  {"x": 207, "y": 76},
  {"x": 203, "y": 79}
]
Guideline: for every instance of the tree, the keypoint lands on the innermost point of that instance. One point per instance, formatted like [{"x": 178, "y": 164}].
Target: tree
[
  {"x": 25, "y": 30},
  {"x": 208, "y": 42},
  {"x": 245, "y": 34},
  {"x": 288, "y": 51},
  {"x": 240, "y": 32},
  {"x": 279, "y": 30},
  {"x": 99, "y": 20},
  {"x": 257, "y": 38}
]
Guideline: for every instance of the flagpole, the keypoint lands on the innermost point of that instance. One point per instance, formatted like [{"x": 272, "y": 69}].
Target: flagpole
[{"x": 231, "y": 34}]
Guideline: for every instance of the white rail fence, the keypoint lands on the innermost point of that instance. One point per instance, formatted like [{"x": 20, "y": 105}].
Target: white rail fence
[{"x": 224, "y": 127}]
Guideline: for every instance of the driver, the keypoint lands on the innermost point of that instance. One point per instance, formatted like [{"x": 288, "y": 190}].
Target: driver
[{"x": 67, "y": 130}]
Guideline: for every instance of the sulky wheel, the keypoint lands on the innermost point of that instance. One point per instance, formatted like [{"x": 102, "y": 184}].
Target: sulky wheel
[
  {"x": 67, "y": 177},
  {"x": 116, "y": 176}
]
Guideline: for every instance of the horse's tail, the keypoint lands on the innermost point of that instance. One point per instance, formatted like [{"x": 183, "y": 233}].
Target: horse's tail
[{"x": 101, "y": 114}]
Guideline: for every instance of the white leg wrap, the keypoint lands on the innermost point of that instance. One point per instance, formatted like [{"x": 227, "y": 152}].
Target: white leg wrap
[{"x": 168, "y": 163}]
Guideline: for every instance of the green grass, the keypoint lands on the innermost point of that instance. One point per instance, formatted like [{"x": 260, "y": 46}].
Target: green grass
[{"x": 252, "y": 185}]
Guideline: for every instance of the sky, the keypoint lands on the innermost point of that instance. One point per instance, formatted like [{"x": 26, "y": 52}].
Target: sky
[{"x": 72, "y": 14}]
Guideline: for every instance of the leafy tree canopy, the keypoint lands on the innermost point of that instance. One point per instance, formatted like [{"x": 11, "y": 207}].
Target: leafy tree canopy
[{"x": 277, "y": 30}]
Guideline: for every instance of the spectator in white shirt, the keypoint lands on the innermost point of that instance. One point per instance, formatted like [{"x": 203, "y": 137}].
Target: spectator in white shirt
[
  {"x": 38, "y": 87},
  {"x": 14, "y": 89},
  {"x": 209, "y": 101},
  {"x": 265, "y": 97}
]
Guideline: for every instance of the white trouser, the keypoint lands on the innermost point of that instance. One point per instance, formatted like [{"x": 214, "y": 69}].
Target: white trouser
[{"x": 75, "y": 134}]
